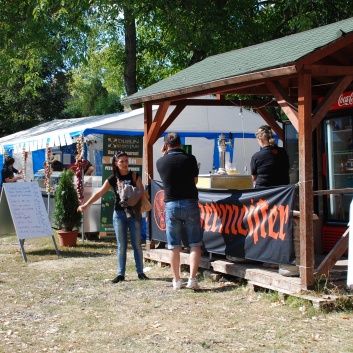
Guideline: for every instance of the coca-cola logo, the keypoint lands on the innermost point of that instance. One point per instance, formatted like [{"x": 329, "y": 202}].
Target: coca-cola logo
[{"x": 345, "y": 100}]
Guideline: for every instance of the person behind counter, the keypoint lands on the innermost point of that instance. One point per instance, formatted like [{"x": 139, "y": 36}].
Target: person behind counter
[
  {"x": 270, "y": 166},
  {"x": 123, "y": 218},
  {"x": 56, "y": 166},
  {"x": 8, "y": 171},
  {"x": 179, "y": 172},
  {"x": 88, "y": 168}
]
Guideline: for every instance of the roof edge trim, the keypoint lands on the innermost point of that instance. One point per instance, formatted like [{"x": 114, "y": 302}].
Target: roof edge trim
[{"x": 253, "y": 76}]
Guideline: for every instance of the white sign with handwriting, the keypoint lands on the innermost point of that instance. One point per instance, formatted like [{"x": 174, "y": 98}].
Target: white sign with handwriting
[{"x": 22, "y": 210}]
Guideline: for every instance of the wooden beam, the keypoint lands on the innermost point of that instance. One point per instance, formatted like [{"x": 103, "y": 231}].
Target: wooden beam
[
  {"x": 330, "y": 98},
  {"x": 154, "y": 131},
  {"x": 225, "y": 102},
  {"x": 271, "y": 121},
  {"x": 258, "y": 90},
  {"x": 333, "y": 256},
  {"x": 148, "y": 145},
  {"x": 329, "y": 70},
  {"x": 172, "y": 116},
  {"x": 305, "y": 180},
  {"x": 284, "y": 101}
]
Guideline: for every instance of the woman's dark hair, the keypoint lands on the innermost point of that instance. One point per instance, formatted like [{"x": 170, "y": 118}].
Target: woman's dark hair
[
  {"x": 8, "y": 161},
  {"x": 116, "y": 156}
]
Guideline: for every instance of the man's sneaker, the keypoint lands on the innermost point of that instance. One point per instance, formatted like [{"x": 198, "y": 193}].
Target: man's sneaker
[
  {"x": 193, "y": 284},
  {"x": 289, "y": 270},
  {"x": 177, "y": 284}
]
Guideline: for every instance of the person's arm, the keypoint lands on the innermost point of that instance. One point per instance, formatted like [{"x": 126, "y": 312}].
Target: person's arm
[
  {"x": 254, "y": 177},
  {"x": 105, "y": 187},
  {"x": 140, "y": 185},
  {"x": 196, "y": 180},
  {"x": 12, "y": 180},
  {"x": 17, "y": 171},
  {"x": 90, "y": 170}
]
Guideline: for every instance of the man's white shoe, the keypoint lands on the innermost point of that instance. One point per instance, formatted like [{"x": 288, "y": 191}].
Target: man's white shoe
[
  {"x": 177, "y": 284},
  {"x": 193, "y": 284}
]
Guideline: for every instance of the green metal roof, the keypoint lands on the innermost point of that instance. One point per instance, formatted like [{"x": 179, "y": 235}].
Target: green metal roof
[{"x": 268, "y": 55}]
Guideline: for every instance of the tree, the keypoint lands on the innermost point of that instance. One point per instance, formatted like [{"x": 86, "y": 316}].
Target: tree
[
  {"x": 91, "y": 98},
  {"x": 37, "y": 46}
]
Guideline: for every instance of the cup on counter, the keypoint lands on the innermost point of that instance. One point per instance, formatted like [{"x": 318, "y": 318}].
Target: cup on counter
[{"x": 231, "y": 169}]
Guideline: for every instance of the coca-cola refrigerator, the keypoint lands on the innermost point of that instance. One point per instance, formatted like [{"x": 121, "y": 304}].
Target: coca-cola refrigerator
[
  {"x": 337, "y": 168},
  {"x": 332, "y": 145},
  {"x": 338, "y": 159}
]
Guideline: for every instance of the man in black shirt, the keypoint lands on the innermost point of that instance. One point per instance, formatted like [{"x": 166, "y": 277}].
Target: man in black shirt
[{"x": 179, "y": 173}]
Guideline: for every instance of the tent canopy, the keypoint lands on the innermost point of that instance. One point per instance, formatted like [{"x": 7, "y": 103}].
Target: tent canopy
[{"x": 194, "y": 121}]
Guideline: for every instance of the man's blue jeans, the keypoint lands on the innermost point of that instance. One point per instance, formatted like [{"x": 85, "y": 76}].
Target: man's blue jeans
[
  {"x": 183, "y": 215},
  {"x": 121, "y": 224}
]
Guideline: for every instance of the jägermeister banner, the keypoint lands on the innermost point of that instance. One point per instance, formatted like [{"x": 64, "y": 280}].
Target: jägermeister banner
[{"x": 133, "y": 146}]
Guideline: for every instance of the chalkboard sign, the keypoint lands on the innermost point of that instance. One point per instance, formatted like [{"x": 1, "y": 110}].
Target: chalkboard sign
[{"x": 22, "y": 210}]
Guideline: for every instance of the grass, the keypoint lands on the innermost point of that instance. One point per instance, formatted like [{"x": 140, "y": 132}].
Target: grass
[{"x": 68, "y": 304}]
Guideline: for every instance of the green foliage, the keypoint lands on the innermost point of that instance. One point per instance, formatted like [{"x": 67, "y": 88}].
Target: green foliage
[
  {"x": 66, "y": 201},
  {"x": 113, "y": 48},
  {"x": 91, "y": 98}
]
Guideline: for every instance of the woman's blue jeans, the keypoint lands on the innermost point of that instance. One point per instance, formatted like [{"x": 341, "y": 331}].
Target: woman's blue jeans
[{"x": 121, "y": 224}]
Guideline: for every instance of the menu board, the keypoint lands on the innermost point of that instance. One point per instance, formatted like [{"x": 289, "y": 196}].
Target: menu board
[{"x": 22, "y": 210}]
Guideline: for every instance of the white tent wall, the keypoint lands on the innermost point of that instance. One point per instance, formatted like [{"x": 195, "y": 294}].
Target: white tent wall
[{"x": 198, "y": 125}]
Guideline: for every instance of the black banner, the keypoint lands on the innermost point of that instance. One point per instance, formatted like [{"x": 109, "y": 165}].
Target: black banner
[{"x": 255, "y": 223}]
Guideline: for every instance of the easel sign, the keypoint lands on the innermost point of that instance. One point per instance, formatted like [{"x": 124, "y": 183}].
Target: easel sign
[{"x": 22, "y": 211}]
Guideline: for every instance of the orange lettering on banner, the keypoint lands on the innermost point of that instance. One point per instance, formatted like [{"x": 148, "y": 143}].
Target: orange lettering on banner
[
  {"x": 215, "y": 216},
  {"x": 234, "y": 229},
  {"x": 260, "y": 219},
  {"x": 264, "y": 212},
  {"x": 284, "y": 216},
  {"x": 272, "y": 218},
  {"x": 228, "y": 220},
  {"x": 222, "y": 214},
  {"x": 248, "y": 212},
  {"x": 207, "y": 216},
  {"x": 240, "y": 228}
]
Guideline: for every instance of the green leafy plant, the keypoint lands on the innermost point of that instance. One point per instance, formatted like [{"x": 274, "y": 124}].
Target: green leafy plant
[{"x": 66, "y": 201}]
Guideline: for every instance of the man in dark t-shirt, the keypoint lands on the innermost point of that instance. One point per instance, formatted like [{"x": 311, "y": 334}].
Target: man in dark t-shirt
[{"x": 179, "y": 173}]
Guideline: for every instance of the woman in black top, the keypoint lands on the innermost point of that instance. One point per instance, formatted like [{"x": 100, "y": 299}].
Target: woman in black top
[
  {"x": 124, "y": 218},
  {"x": 8, "y": 171},
  {"x": 270, "y": 166}
]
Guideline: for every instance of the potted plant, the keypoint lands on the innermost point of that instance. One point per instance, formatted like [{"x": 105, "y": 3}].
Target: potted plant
[{"x": 65, "y": 215}]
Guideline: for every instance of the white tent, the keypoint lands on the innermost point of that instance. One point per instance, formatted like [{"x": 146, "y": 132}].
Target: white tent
[{"x": 198, "y": 125}]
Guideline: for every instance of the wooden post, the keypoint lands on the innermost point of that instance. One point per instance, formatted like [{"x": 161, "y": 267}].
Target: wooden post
[
  {"x": 305, "y": 180},
  {"x": 148, "y": 146},
  {"x": 148, "y": 156}
]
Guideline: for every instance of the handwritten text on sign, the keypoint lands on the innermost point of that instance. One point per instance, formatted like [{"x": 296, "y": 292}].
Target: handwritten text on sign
[{"x": 27, "y": 209}]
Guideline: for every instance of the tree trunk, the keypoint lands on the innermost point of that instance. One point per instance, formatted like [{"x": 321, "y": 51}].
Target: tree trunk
[{"x": 130, "y": 53}]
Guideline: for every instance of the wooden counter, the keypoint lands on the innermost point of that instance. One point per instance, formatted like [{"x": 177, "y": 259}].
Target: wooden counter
[{"x": 217, "y": 181}]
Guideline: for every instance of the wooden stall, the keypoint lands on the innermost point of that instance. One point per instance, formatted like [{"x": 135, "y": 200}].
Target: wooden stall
[{"x": 290, "y": 73}]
